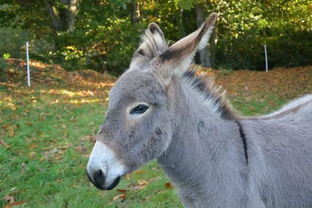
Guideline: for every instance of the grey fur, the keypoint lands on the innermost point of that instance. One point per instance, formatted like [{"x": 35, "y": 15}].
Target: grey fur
[{"x": 200, "y": 150}]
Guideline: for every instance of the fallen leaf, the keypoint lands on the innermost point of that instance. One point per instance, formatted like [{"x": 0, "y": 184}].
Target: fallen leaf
[
  {"x": 122, "y": 190},
  {"x": 5, "y": 126},
  {"x": 9, "y": 199},
  {"x": 11, "y": 130},
  {"x": 31, "y": 146},
  {"x": 143, "y": 182},
  {"x": 66, "y": 146},
  {"x": 141, "y": 185},
  {"x": 120, "y": 196},
  {"x": 14, "y": 204},
  {"x": 169, "y": 185},
  {"x": 140, "y": 171}
]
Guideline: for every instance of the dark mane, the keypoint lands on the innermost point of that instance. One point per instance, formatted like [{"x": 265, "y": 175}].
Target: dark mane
[{"x": 211, "y": 92}]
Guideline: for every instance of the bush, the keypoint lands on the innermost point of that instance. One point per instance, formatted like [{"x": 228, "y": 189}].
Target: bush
[
  {"x": 114, "y": 45},
  {"x": 12, "y": 41},
  {"x": 247, "y": 51}
]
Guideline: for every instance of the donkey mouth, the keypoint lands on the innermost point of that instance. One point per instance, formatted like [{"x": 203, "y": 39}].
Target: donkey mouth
[
  {"x": 102, "y": 187},
  {"x": 114, "y": 184}
]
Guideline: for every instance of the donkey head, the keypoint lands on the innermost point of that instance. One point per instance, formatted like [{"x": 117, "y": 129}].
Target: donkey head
[{"x": 138, "y": 125}]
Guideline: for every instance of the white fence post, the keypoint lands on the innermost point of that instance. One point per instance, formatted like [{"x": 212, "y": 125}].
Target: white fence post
[
  {"x": 266, "y": 58},
  {"x": 27, "y": 62}
]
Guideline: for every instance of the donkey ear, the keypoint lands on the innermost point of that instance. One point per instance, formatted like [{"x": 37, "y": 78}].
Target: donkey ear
[
  {"x": 153, "y": 43},
  {"x": 178, "y": 57}
]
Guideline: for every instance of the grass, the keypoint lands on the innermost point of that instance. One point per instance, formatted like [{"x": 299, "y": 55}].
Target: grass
[
  {"x": 47, "y": 133},
  {"x": 45, "y": 143},
  {"x": 250, "y": 107}
]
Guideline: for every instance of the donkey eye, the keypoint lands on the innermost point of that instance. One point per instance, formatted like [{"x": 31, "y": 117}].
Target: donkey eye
[{"x": 139, "y": 109}]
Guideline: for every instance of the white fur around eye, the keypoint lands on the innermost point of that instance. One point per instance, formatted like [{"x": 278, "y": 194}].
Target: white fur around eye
[{"x": 135, "y": 105}]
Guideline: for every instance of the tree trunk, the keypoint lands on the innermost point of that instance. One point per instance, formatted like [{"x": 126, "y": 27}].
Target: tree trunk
[
  {"x": 204, "y": 53},
  {"x": 63, "y": 19},
  {"x": 136, "y": 12},
  {"x": 54, "y": 16},
  {"x": 72, "y": 12}
]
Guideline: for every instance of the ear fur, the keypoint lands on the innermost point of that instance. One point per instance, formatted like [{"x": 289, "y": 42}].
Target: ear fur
[
  {"x": 178, "y": 57},
  {"x": 153, "y": 43}
]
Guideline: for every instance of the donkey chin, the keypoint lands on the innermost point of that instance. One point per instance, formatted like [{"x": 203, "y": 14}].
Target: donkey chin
[{"x": 104, "y": 170}]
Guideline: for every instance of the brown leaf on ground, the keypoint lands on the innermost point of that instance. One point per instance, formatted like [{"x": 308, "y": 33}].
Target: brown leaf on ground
[
  {"x": 14, "y": 204},
  {"x": 169, "y": 185},
  {"x": 122, "y": 190},
  {"x": 10, "y": 129},
  {"x": 32, "y": 146},
  {"x": 143, "y": 182},
  {"x": 139, "y": 171},
  {"x": 140, "y": 185},
  {"x": 9, "y": 199},
  {"x": 122, "y": 196}
]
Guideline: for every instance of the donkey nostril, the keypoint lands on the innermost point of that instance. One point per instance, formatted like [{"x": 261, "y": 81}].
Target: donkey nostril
[{"x": 99, "y": 177}]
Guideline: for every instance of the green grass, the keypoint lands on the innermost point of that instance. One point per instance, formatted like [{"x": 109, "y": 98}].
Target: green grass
[
  {"x": 261, "y": 104},
  {"x": 45, "y": 143},
  {"x": 44, "y": 151}
]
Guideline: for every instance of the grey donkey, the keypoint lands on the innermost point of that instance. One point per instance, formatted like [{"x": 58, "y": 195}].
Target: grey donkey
[{"x": 159, "y": 108}]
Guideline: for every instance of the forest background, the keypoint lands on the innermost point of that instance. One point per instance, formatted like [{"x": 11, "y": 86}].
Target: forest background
[{"x": 103, "y": 34}]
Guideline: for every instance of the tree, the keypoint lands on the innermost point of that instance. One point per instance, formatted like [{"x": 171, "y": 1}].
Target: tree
[
  {"x": 103, "y": 34},
  {"x": 63, "y": 14},
  {"x": 206, "y": 55}
]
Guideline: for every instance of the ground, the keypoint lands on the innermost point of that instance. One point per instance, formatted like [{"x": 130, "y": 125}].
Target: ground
[{"x": 47, "y": 132}]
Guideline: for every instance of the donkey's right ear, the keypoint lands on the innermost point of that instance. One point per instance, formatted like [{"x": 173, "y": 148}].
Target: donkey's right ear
[{"x": 153, "y": 43}]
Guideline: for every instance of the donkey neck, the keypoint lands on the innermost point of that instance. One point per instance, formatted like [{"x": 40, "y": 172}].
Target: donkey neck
[{"x": 206, "y": 152}]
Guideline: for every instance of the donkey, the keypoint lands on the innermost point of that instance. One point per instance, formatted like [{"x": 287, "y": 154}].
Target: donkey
[{"x": 161, "y": 109}]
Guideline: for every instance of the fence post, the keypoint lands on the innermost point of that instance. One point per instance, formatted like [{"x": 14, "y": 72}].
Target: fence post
[
  {"x": 266, "y": 58},
  {"x": 27, "y": 64}
]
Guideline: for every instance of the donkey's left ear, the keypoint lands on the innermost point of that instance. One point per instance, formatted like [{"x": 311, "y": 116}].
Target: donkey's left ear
[
  {"x": 178, "y": 57},
  {"x": 153, "y": 43}
]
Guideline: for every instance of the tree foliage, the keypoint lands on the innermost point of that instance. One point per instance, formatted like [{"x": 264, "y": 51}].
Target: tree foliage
[{"x": 102, "y": 34}]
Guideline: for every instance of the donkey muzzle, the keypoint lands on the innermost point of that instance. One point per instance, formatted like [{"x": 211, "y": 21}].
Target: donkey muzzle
[{"x": 104, "y": 170}]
